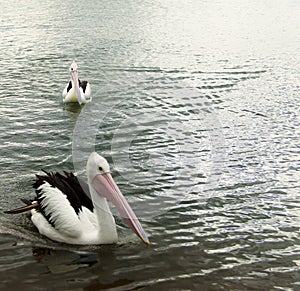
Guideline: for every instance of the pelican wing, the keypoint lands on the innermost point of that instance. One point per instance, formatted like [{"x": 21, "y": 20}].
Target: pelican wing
[
  {"x": 76, "y": 190},
  {"x": 61, "y": 199},
  {"x": 67, "y": 89},
  {"x": 57, "y": 210},
  {"x": 86, "y": 87}
]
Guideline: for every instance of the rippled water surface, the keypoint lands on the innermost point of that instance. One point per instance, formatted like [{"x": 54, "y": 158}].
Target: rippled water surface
[{"x": 195, "y": 105}]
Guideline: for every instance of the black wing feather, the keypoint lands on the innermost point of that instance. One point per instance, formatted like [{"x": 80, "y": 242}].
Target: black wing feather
[
  {"x": 83, "y": 85},
  {"x": 69, "y": 185},
  {"x": 69, "y": 86},
  {"x": 77, "y": 192}
]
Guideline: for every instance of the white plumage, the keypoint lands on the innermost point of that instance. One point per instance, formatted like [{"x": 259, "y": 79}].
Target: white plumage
[
  {"x": 76, "y": 90},
  {"x": 71, "y": 211}
]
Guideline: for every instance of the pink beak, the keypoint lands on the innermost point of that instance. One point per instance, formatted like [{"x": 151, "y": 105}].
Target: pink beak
[
  {"x": 106, "y": 186},
  {"x": 74, "y": 75}
]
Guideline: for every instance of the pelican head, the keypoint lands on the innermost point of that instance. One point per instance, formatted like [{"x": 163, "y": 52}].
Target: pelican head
[
  {"x": 100, "y": 179},
  {"x": 73, "y": 67},
  {"x": 74, "y": 77}
]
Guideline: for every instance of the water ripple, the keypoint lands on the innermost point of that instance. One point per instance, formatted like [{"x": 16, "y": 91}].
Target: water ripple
[{"x": 198, "y": 117}]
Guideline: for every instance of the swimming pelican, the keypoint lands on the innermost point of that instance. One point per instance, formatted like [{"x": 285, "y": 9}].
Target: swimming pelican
[
  {"x": 69, "y": 210},
  {"x": 76, "y": 90}
]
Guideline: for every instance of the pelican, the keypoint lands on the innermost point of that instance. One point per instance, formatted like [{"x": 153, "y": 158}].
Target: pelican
[
  {"x": 76, "y": 90},
  {"x": 68, "y": 210}
]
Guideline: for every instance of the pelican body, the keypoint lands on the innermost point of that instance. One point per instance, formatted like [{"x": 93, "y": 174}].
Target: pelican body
[
  {"x": 76, "y": 90},
  {"x": 71, "y": 211}
]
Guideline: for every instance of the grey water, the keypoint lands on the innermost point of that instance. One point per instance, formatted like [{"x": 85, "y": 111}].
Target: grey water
[{"x": 195, "y": 106}]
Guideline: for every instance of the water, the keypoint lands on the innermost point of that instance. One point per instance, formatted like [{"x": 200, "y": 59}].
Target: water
[{"x": 195, "y": 105}]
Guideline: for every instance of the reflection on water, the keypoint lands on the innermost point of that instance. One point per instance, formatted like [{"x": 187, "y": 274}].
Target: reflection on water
[
  {"x": 58, "y": 261},
  {"x": 195, "y": 106},
  {"x": 73, "y": 109}
]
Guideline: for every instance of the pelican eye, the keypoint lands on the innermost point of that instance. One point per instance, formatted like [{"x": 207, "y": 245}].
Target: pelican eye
[{"x": 100, "y": 169}]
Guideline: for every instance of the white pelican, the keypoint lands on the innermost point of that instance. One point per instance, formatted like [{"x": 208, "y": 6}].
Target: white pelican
[
  {"x": 71, "y": 211},
  {"x": 76, "y": 90}
]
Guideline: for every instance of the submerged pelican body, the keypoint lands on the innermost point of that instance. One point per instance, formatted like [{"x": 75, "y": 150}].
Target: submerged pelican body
[
  {"x": 69, "y": 210},
  {"x": 76, "y": 90}
]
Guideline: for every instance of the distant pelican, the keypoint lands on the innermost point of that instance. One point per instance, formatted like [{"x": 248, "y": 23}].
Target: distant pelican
[
  {"x": 69, "y": 210},
  {"x": 76, "y": 90}
]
